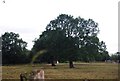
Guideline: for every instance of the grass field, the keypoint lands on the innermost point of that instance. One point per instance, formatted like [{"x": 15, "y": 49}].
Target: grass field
[{"x": 62, "y": 71}]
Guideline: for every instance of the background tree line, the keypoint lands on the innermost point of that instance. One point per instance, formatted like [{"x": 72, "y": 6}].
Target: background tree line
[
  {"x": 13, "y": 49},
  {"x": 65, "y": 39}
]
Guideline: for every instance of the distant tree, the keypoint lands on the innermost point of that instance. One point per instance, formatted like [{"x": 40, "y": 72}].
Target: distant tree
[
  {"x": 13, "y": 49},
  {"x": 76, "y": 30},
  {"x": 115, "y": 57},
  {"x": 68, "y": 38},
  {"x": 118, "y": 53},
  {"x": 103, "y": 51}
]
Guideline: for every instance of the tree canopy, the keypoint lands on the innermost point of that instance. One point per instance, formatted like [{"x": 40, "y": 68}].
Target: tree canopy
[
  {"x": 13, "y": 49},
  {"x": 68, "y": 38}
]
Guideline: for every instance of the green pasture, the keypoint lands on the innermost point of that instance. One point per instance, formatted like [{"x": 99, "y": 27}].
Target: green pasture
[{"x": 62, "y": 71}]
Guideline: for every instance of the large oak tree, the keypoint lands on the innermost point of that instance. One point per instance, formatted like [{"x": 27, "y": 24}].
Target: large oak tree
[{"x": 66, "y": 38}]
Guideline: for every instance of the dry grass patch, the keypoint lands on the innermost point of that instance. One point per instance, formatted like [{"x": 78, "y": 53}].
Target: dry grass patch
[{"x": 62, "y": 71}]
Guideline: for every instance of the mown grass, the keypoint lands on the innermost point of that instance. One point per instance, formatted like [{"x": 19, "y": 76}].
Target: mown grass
[{"x": 62, "y": 71}]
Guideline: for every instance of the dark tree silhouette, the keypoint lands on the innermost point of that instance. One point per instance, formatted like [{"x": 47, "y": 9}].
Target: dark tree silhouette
[
  {"x": 67, "y": 38},
  {"x": 13, "y": 49}
]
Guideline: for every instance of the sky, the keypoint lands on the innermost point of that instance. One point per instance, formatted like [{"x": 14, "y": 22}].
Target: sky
[{"x": 29, "y": 18}]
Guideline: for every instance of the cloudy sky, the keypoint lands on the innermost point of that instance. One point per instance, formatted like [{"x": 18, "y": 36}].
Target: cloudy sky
[{"x": 30, "y": 17}]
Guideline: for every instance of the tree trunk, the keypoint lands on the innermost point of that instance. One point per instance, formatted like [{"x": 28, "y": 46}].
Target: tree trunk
[
  {"x": 71, "y": 64},
  {"x": 53, "y": 63}
]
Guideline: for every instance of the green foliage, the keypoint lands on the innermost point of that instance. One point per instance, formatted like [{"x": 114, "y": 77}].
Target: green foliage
[
  {"x": 13, "y": 49},
  {"x": 37, "y": 55},
  {"x": 69, "y": 39},
  {"x": 115, "y": 57}
]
